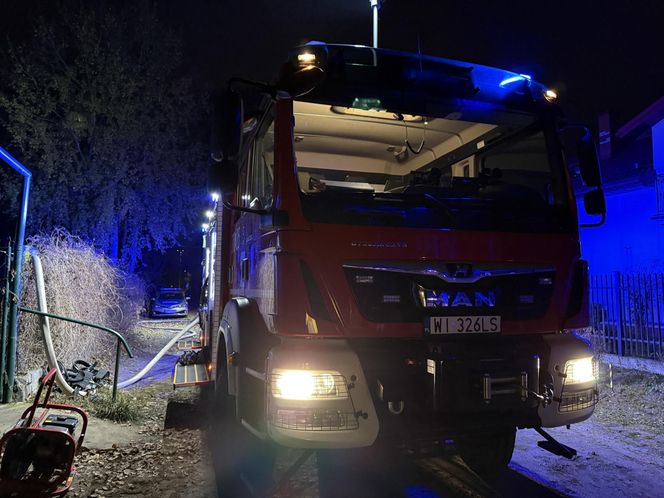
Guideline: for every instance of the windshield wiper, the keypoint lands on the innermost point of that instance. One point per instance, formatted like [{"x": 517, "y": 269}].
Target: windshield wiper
[
  {"x": 429, "y": 198},
  {"x": 410, "y": 197}
]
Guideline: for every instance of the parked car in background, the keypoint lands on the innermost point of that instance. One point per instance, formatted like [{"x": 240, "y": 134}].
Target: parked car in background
[{"x": 168, "y": 301}]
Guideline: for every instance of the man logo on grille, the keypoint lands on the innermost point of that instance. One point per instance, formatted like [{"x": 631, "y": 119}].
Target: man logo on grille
[{"x": 444, "y": 299}]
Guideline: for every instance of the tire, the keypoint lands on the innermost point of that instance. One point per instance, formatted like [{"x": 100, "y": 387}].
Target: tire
[
  {"x": 243, "y": 463},
  {"x": 487, "y": 453}
]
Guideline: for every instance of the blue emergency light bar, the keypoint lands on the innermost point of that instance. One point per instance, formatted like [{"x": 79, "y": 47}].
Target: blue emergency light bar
[{"x": 357, "y": 66}]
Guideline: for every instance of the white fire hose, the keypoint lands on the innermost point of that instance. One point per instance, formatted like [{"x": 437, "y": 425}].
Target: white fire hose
[
  {"x": 46, "y": 329},
  {"x": 161, "y": 353}
]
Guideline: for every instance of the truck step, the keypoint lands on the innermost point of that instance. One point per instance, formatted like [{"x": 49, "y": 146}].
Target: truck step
[
  {"x": 189, "y": 344},
  {"x": 190, "y": 375}
]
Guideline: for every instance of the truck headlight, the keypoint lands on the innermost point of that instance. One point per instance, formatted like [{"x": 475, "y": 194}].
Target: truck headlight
[
  {"x": 308, "y": 384},
  {"x": 580, "y": 370}
]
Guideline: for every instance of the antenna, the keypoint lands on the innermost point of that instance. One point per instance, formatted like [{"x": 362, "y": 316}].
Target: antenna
[{"x": 375, "y": 6}]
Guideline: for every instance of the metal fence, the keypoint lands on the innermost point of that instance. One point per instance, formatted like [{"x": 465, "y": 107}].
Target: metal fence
[{"x": 627, "y": 311}]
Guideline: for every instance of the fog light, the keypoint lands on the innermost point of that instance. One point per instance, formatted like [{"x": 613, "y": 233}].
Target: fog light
[
  {"x": 315, "y": 420},
  {"x": 308, "y": 384},
  {"x": 364, "y": 279},
  {"x": 579, "y": 400},
  {"x": 580, "y": 371}
]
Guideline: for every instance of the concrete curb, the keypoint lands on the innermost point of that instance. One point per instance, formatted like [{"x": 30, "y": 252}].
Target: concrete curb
[
  {"x": 643, "y": 364},
  {"x": 27, "y": 384}
]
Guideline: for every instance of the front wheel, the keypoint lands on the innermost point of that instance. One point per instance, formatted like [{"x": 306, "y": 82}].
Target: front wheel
[{"x": 487, "y": 453}]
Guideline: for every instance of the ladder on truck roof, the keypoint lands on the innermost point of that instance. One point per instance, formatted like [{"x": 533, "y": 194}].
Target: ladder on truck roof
[{"x": 191, "y": 368}]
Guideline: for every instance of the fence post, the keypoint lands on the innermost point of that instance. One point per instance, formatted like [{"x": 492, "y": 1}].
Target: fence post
[
  {"x": 617, "y": 280},
  {"x": 4, "y": 377},
  {"x": 117, "y": 369}
]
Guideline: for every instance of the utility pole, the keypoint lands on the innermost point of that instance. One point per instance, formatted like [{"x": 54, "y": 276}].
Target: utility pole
[{"x": 180, "y": 279}]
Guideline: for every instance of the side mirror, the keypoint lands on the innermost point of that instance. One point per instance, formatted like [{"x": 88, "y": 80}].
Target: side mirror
[
  {"x": 228, "y": 116},
  {"x": 588, "y": 160},
  {"x": 222, "y": 177},
  {"x": 594, "y": 203},
  {"x": 229, "y": 111}
]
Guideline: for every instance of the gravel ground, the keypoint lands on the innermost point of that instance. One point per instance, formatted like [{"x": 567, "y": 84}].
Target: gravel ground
[{"x": 171, "y": 460}]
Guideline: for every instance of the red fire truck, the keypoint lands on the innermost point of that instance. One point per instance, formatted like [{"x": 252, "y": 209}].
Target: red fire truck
[{"x": 394, "y": 256}]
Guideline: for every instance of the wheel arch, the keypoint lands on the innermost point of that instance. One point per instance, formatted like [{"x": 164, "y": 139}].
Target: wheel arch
[
  {"x": 228, "y": 341},
  {"x": 243, "y": 332}
]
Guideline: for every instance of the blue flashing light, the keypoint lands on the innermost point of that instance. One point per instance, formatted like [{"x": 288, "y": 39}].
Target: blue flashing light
[
  {"x": 214, "y": 196},
  {"x": 514, "y": 79},
  {"x": 418, "y": 491}
]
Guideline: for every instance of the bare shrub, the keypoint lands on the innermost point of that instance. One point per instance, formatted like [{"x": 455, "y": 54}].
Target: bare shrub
[
  {"x": 131, "y": 301},
  {"x": 82, "y": 284}
]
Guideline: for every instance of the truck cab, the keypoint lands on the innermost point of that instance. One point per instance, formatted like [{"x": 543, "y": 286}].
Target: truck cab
[{"x": 396, "y": 255}]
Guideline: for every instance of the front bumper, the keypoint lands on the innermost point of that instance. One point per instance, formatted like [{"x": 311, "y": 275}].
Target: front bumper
[
  {"x": 570, "y": 403},
  {"x": 169, "y": 311},
  {"x": 411, "y": 390}
]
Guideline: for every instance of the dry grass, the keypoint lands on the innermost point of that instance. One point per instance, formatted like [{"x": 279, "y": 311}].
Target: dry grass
[
  {"x": 81, "y": 284},
  {"x": 636, "y": 399},
  {"x": 125, "y": 408}
]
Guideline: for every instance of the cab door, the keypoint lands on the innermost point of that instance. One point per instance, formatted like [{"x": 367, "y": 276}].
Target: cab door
[{"x": 252, "y": 239}]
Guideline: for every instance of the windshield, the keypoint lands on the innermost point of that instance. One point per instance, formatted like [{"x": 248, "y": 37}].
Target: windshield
[
  {"x": 171, "y": 296},
  {"x": 480, "y": 170}
]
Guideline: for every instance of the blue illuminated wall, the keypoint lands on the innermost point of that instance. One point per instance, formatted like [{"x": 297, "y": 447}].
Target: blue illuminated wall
[{"x": 630, "y": 240}]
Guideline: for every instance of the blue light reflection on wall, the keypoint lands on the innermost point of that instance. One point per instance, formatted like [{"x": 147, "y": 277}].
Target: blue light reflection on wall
[{"x": 630, "y": 240}]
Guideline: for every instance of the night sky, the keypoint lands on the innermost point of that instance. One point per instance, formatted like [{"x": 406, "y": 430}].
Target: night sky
[{"x": 599, "y": 55}]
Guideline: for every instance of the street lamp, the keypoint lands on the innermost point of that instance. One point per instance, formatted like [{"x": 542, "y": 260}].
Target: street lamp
[{"x": 375, "y": 5}]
